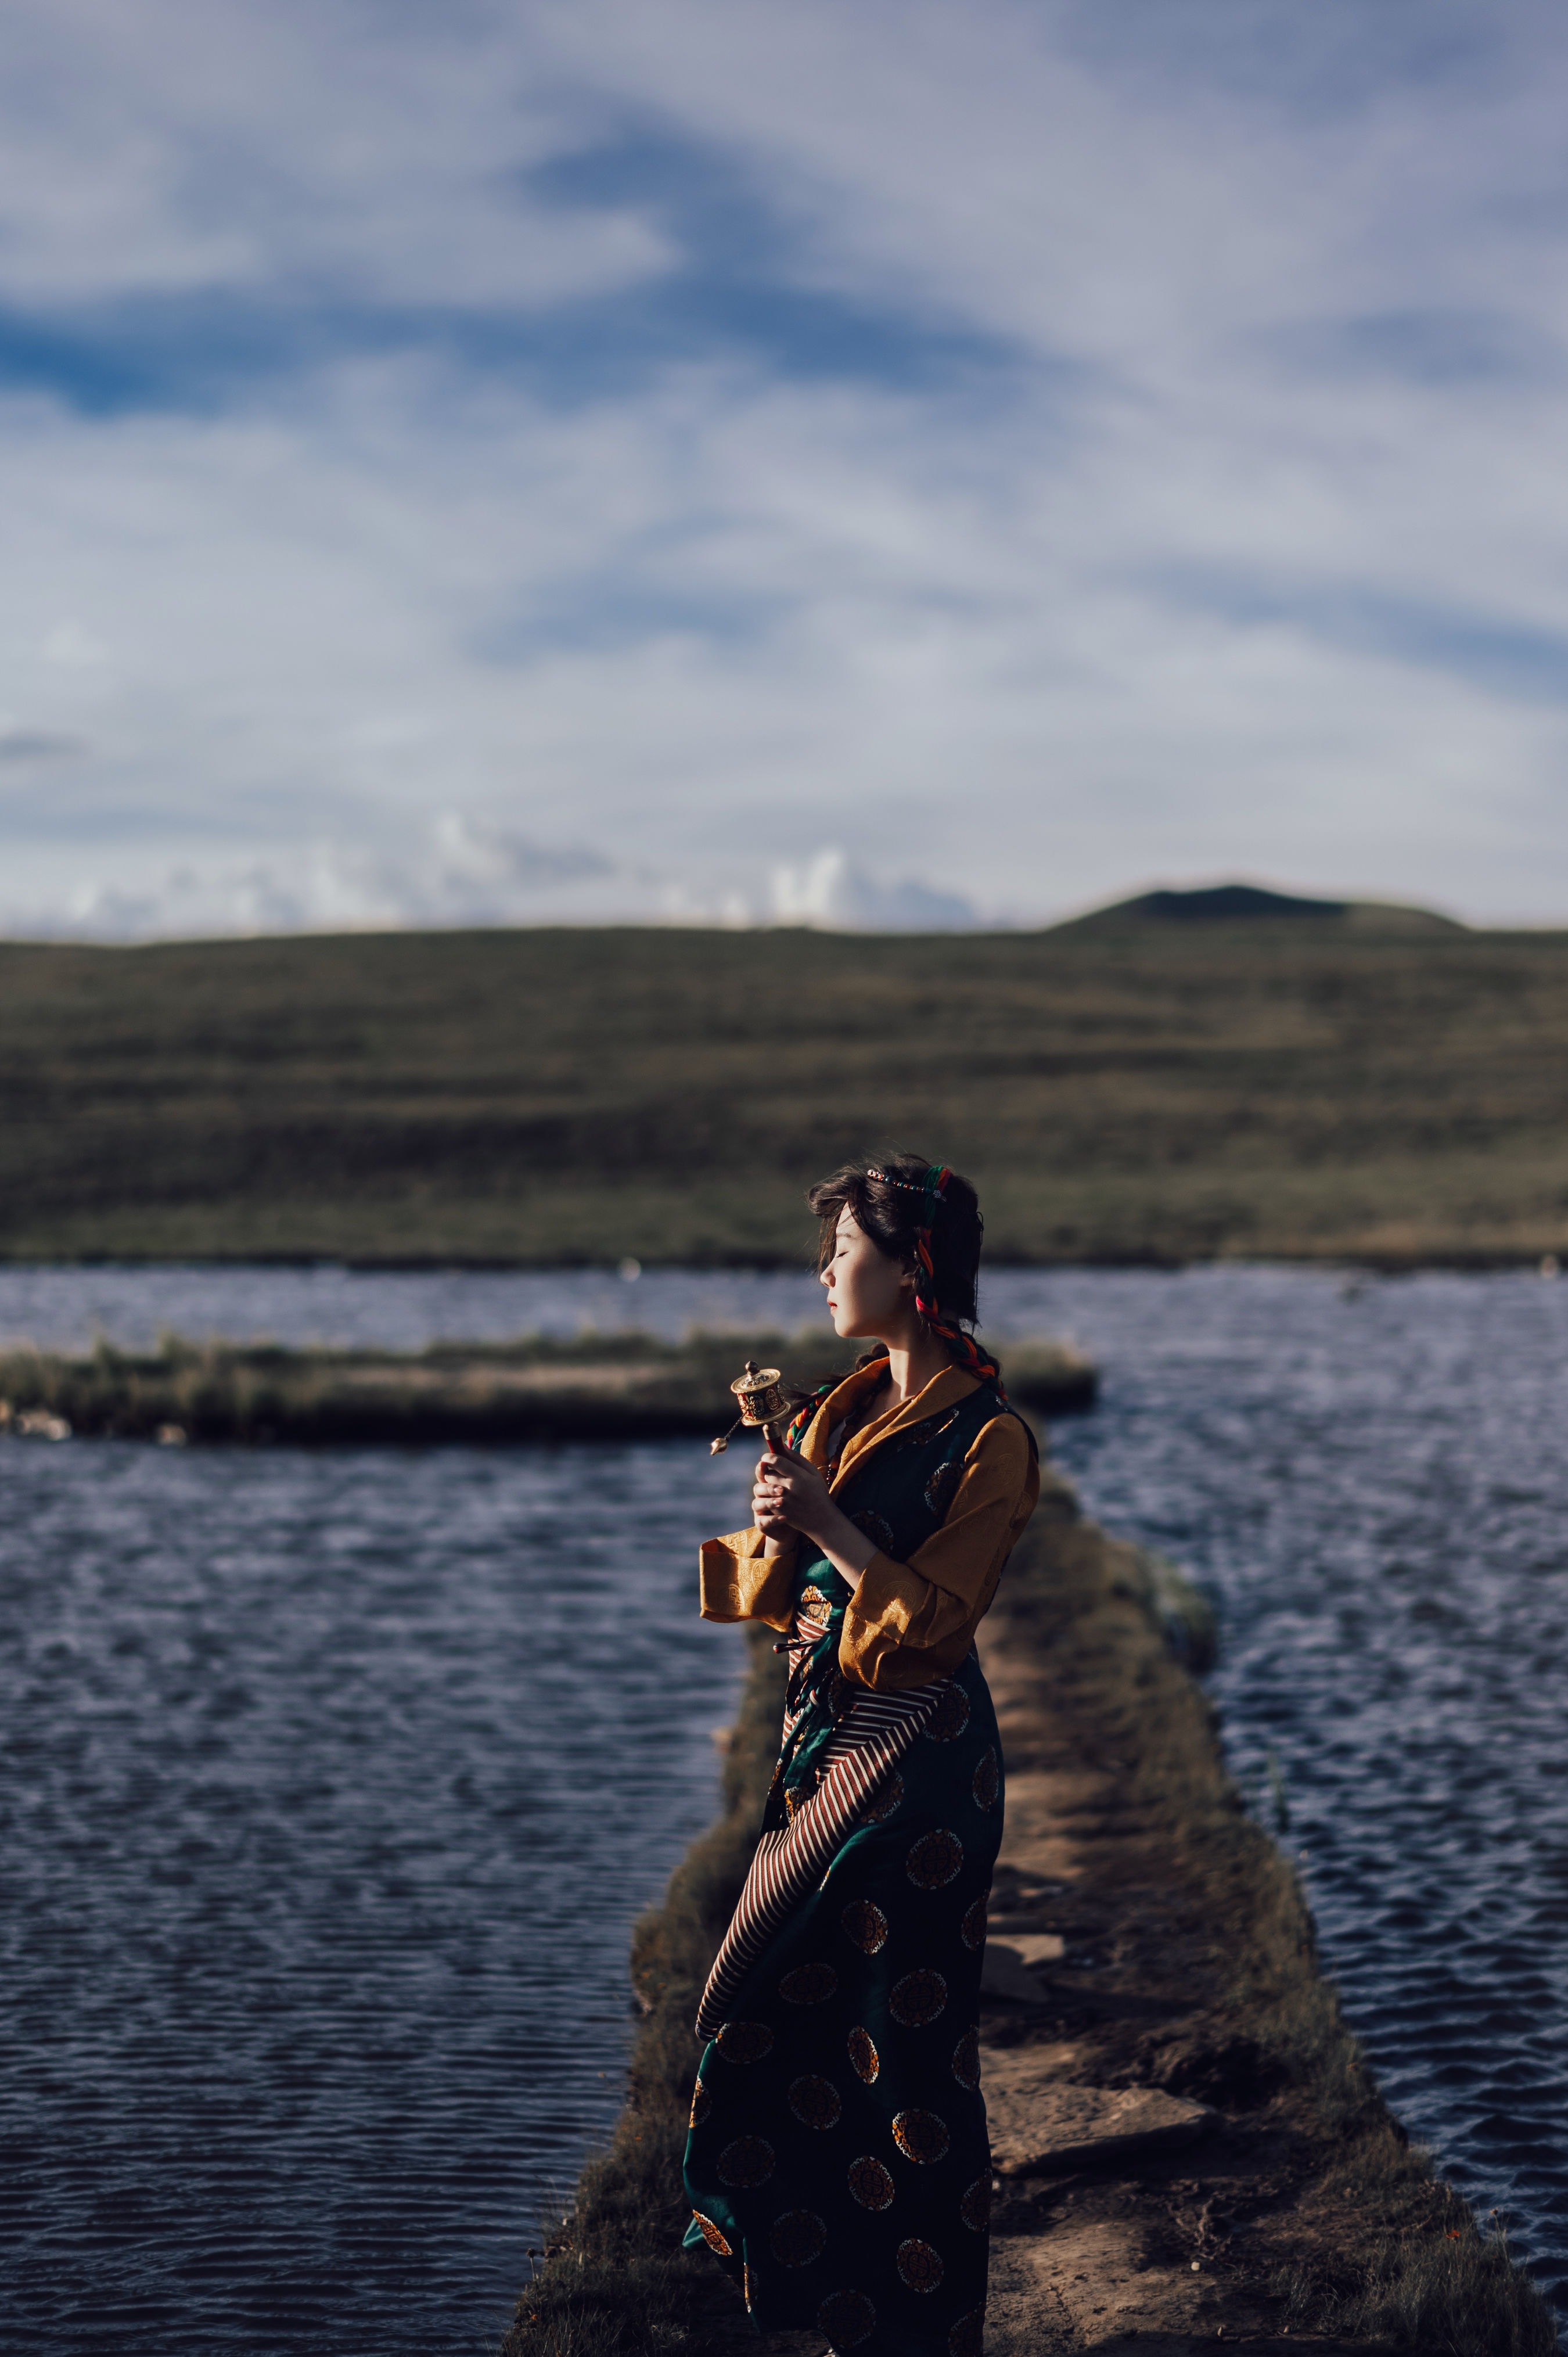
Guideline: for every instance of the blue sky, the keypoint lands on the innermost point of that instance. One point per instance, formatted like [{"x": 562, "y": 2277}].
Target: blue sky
[{"x": 888, "y": 465}]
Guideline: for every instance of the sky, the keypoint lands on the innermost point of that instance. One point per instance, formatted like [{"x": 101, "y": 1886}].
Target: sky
[{"x": 874, "y": 465}]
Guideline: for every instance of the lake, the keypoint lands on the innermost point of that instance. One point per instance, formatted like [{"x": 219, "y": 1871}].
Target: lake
[{"x": 331, "y": 1783}]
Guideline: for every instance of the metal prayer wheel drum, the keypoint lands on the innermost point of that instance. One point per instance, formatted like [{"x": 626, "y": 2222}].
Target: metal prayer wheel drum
[
  {"x": 765, "y": 1403},
  {"x": 760, "y": 1395}
]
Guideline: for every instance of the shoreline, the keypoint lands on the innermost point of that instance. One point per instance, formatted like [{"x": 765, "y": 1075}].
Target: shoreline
[{"x": 1189, "y": 2144}]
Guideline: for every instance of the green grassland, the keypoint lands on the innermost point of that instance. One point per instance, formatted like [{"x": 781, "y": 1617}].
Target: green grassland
[{"x": 1359, "y": 1086}]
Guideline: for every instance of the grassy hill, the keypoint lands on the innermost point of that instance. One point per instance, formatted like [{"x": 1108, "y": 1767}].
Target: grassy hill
[{"x": 1131, "y": 1089}]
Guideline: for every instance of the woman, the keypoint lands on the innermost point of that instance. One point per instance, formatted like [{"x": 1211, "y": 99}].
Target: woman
[{"x": 838, "y": 2162}]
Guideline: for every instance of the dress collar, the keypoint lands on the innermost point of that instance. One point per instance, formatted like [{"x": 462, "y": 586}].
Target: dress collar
[{"x": 943, "y": 1391}]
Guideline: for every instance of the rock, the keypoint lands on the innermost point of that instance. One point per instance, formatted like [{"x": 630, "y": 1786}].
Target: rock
[
  {"x": 37, "y": 1424},
  {"x": 1006, "y": 1978},
  {"x": 1234, "y": 2071},
  {"x": 1042, "y": 2127},
  {"x": 1038, "y": 1948}
]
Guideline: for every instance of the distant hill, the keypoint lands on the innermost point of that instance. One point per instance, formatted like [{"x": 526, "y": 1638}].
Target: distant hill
[
  {"x": 1390, "y": 1089},
  {"x": 1231, "y": 904}
]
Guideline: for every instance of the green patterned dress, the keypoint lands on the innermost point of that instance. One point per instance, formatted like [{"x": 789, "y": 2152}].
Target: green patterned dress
[{"x": 838, "y": 2164}]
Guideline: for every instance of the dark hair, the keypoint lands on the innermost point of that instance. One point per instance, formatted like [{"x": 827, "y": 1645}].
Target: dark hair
[{"x": 890, "y": 1202}]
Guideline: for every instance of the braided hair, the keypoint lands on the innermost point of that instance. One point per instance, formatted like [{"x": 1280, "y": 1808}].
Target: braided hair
[{"x": 925, "y": 1216}]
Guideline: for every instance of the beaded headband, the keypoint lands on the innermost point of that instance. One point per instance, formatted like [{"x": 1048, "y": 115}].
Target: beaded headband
[
  {"x": 933, "y": 1186},
  {"x": 935, "y": 1171}
]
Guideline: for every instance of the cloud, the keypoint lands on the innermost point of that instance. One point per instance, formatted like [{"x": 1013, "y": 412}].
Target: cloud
[
  {"x": 1071, "y": 444},
  {"x": 459, "y": 871},
  {"x": 27, "y": 748},
  {"x": 464, "y": 871},
  {"x": 831, "y": 891}
]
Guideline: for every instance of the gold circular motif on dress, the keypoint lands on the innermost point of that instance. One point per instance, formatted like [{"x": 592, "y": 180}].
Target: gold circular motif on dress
[
  {"x": 815, "y": 2102},
  {"x": 975, "y": 2207},
  {"x": 987, "y": 1780},
  {"x": 887, "y": 1801},
  {"x": 846, "y": 2319},
  {"x": 878, "y": 1529},
  {"x": 918, "y": 2265},
  {"x": 935, "y": 1859},
  {"x": 917, "y": 1998},
  {"x": 839, "y": 1695},
  {"x": 966, "y": 2060},
  {"x": 971, "y": 1931},
  {"x": 713, "y": 2236},
  {"x": 808, "y": 1985},
  {"x": 745, "y": 2041},
  {"x": 797, "y": 2238},
  {"x": 863, "y": 2057},
  {"x": 869, "y": 2182},
  {"x": 702, "y": 2104},
  {"x": 941, "y": 1487},
  {"x": 949, "y": 1718},
  {"x": 747, "y": 2162},
  {"x": 920, "y": 2135},
  {"x": 810, "y": 1598},
  {"x": 968, "y": 2334},
  {"x": 866, "y": 1924}
]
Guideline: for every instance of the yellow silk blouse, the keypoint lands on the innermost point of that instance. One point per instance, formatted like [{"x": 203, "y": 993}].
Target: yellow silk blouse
[{"x": 906, "y": 1622}]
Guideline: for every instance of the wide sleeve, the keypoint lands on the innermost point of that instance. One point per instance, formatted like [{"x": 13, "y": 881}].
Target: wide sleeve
[
  {"x": 738, "y": 1582},
  {"x": 910, "y": 1622}
]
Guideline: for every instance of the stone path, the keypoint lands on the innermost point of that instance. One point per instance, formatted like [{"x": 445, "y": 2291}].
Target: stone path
[
  {"x": 1120, "y": 2206},
  {"x": 1154, "y": 2193}
]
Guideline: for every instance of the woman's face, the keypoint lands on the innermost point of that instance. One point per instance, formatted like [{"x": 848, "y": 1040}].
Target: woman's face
[{"x": 867, "y": 1291}]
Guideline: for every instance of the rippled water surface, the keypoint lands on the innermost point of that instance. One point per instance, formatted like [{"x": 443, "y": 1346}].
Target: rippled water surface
[
  {"x": 329, "y": 1786},
  {"x": 401, "y": 1310},
  {"x": 331, "y": 1783},
  {"x": 1371, "y": 1479}
]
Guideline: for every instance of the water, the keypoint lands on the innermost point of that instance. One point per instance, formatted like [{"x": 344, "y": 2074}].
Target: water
[
  {"x": 68, "y": 1308},
  {"x": 328, "y": 1803},
  {"x": 329, "y": 1786},
  {"x": 1370, "y": 1478}
]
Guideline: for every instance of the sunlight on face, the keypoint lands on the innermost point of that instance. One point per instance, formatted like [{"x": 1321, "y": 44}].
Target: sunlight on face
[{"x": 868, "y": 1292}]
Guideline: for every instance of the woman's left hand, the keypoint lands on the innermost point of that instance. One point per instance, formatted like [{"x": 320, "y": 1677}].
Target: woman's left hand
[{"x": 790, "y": 1490}]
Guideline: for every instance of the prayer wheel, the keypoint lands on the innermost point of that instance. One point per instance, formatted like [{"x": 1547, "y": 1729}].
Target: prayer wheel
[{"x": 764, "y": 1399}]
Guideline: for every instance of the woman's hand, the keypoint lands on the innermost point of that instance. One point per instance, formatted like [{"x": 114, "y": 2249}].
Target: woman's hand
[{"x": 791, "y": 1500}]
